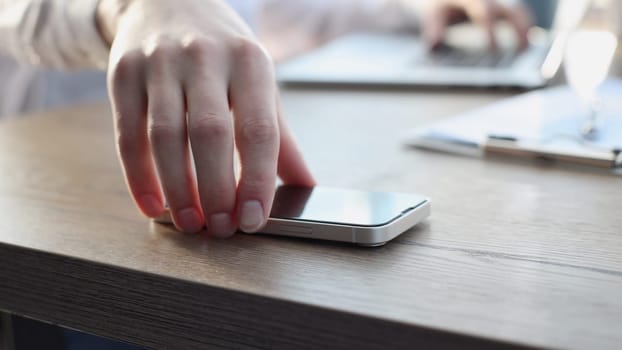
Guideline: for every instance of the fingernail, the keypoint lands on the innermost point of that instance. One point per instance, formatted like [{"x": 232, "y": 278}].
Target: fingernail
[
  {"x": 251, "y": 217},
  {"x": 150, "y": 205},
  {"x": 220, "y": 225},
  {"x": 189, "y": 220}
]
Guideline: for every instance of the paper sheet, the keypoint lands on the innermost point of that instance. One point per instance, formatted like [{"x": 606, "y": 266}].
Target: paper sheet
[{"x": 553, "y": 116}]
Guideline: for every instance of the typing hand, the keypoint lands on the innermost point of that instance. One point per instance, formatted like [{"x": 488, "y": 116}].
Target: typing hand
[
  {"x": 439, "y": 14},
  {"x": 189, "y": 75}
]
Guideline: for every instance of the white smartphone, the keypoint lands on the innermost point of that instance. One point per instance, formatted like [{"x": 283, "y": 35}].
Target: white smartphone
[{"x": 335, "y": 214}]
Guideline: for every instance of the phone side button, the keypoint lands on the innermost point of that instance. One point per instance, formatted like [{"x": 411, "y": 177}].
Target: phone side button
[{"x": 296, "y": 229}]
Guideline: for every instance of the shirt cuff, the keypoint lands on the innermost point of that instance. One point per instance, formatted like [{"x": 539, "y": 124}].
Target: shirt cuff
[{"x": 91, "y": 48}]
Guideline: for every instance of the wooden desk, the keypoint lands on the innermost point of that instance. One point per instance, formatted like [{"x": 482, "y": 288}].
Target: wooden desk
[{"x": 514, "y": 254}]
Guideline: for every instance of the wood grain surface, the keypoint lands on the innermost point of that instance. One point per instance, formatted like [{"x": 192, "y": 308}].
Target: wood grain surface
[{"x": 515, "y": 254}]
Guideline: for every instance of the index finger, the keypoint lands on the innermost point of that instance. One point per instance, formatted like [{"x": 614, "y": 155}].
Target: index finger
[
  {"x": 483, "y": 13},
  {"x": 520, "y": 18},
  {"x": 435, "y": 26}
]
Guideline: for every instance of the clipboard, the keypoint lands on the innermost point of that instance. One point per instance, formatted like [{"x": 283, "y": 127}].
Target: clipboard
[{"x": 543, "y": 124}]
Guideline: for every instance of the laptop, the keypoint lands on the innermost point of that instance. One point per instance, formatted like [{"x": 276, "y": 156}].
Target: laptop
[{"x": 464, "y": 60}]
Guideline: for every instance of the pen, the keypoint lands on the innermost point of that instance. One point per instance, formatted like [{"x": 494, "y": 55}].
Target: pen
[{"x": 511, "y": 146}]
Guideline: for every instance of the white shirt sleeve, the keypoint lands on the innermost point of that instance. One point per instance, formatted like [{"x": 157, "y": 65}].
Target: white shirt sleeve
[
  {"x": 54, "y": 33},
  {"x": 288, "y": 27},
  {"x": 63, "y": 33}
]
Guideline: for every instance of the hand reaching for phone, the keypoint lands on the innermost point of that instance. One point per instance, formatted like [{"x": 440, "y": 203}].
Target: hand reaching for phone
[{"x": 190, "y": 80}]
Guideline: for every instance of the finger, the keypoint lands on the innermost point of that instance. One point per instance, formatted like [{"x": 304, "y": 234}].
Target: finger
[
  {"x": 521, "y": 20},
  {"x": 484, "y": 14},
  {"x": 210, "y": 129},
  {"x": 292, "y": 168},
  {"x": 253, "y": 96},
  {"x": 169, "y": 139},
  {"x": 129, "y": 105},
  {"x": 435, "y": 26}
]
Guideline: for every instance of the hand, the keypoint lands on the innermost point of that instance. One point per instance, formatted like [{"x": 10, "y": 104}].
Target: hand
[
  {"x": 439, "y": 14},
  {"x": 188, "y": 79}
]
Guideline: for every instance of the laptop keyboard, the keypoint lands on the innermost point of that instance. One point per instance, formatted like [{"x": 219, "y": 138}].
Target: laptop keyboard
[{"x": 448, "y": 56}]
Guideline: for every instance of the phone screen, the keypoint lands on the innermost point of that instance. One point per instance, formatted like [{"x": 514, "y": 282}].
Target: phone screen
[{"x": 341, "y": 206}]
